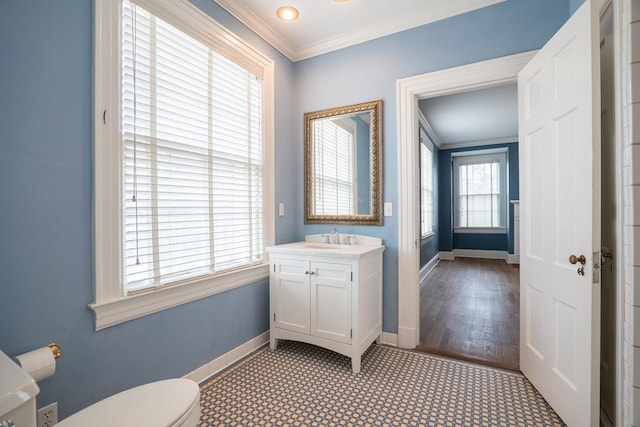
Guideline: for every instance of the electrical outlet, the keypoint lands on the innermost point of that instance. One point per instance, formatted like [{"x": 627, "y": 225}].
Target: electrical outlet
[{"x": 48, "y": 415}]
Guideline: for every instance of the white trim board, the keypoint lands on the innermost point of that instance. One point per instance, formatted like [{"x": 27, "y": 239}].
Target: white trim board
[
  {"x": 479, "y": 143},
  {"x": 389, "y": 338},
  {"x": 479, "y": 75},
  {"x": 478, "y": 253},
  {"x": 218, "y": 364},
  {"x": 428, "y": 267}
]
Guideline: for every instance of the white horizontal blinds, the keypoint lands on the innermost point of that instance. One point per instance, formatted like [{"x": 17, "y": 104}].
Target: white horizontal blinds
[
  {"x": 334, "y": 157},
  {"x": 480, "y": 198},
  {"x": 426, "y": 190},
  {"x": 192, "y": 156}
]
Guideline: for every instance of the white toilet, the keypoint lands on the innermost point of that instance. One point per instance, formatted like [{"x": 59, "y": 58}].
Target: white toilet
[{"x": 168, "y": 403}]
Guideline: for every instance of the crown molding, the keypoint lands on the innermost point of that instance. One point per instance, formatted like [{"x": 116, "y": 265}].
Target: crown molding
[
  {"x": 249, "y": 18},
  {"x": 396, "y": 25},
  {"x": 479, "y": 143},
  {"x": 430, "y": 132}
]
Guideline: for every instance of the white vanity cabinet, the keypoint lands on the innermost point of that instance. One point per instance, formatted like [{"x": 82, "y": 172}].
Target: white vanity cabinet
[{"x": 327, "y": 295}]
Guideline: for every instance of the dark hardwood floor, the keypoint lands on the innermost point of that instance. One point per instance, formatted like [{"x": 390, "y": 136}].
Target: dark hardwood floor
[{"x": 469, "y": 309}]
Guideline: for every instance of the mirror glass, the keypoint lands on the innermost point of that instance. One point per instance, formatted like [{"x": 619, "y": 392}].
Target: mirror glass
[{"x": 343, "y": 165}]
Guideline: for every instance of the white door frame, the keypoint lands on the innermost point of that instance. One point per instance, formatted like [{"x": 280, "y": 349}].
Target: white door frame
[{"x": 465, "y": 78}]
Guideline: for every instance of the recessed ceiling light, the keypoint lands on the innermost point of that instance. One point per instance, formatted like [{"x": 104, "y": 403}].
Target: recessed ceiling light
[
  {"x": 287, "y": 13},
  {"x": 341, "y": 1}
]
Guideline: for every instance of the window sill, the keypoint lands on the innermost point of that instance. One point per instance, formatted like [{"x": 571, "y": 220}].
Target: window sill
[
  {"x": 479, "y": 230},
  {"x": 426, "y": 238},
  {"x": 127, "y": 308}
]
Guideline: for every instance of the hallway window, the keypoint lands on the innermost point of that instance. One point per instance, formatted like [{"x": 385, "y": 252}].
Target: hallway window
[
  {"x": 426, "y": 186},
  {"x": 184, "y": 153},
  {"x": 480, "y": 191}
]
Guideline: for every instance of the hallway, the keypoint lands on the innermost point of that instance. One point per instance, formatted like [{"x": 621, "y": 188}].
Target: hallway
[{"x": 469, "y": 309}]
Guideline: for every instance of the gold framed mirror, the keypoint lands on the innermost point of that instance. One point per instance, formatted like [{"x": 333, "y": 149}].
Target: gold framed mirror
[{"x": 343, "y": 165}]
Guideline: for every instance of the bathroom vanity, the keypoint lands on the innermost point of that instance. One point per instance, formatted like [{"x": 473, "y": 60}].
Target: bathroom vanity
[{"x": 328, "y": 295}]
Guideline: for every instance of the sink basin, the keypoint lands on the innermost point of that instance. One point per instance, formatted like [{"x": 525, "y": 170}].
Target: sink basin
[{"x": 321, "y": 246}]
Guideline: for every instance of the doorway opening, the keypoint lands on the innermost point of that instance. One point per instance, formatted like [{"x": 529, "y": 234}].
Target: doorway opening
[
  {"x": 469, "y": 190},
  {"x": 466, "y": 78}
]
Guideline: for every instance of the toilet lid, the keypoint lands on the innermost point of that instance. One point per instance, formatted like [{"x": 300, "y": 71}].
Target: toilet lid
[{"x": 157, "y": 404}]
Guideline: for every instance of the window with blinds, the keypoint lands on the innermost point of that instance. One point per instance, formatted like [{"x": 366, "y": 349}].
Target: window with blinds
[
  {"x": 192, "y": 156},
  {"x": 426, "y": 191},
  {"x": 334, "y": 157},
  {"x": 481, "y": 191}
]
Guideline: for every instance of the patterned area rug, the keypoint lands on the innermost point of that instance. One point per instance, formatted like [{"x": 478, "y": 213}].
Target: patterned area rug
[{"x": 304, "y": 385}]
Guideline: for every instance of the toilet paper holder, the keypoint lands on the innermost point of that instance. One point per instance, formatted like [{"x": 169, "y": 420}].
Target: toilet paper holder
[{"x": 56, "y": 349}]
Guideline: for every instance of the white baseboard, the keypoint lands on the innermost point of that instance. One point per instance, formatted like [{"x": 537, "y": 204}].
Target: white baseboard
[
  {"x": 390, "y": 339},
  {"x": 447, "y": 256},
  {"x": 209, "y": 369},
  {"x": 428, "y": 267},
  {"x": 407, "y": 337},
  {"x": 477, "y": 253},
  {"x": 513, "y": 259}
]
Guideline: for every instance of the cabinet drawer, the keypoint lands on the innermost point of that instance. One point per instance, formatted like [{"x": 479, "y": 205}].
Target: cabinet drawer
[{"x": 332, "y": 271}]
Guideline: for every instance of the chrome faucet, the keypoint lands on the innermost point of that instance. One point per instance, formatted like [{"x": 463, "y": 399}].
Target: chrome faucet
[{"x": 335, "y": 236}]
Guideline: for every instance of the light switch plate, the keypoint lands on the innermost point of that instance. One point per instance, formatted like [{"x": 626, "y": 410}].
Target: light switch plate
[
  {"x": 280, "y": 209},
  {"x": 388, "y": 209}
]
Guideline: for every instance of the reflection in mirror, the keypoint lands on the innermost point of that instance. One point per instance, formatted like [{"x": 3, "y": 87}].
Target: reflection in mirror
[{"x": 343, "y": 165}]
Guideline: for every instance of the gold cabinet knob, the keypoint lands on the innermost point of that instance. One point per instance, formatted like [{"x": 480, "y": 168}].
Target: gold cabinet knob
[{"x": 575, "y": 259}]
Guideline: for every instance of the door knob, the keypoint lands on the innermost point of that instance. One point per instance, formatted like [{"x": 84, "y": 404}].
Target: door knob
[{"x": 575, "y": 259}]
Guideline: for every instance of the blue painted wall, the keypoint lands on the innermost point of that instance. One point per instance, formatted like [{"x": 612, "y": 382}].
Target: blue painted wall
[
  {"x": 370, "y": 70},
  {"x": 46, "y": 273},
  {"x": 430, "y": 246},
  {"x": 46, "y": 265},
  {"x": 574, "y": 5},
  {"x": 450, "y": 240}
]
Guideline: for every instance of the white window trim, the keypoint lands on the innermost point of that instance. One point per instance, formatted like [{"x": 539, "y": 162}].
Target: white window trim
[
  {"x": 429, "y": 145},
  {"x": 110, "y": 306},
  {"x": 474, "y": 157}
]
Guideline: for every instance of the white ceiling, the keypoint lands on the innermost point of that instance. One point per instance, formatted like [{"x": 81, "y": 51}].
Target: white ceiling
[
  {"x": 327, "y": 25},
  {"x": 479, "y": 117}
]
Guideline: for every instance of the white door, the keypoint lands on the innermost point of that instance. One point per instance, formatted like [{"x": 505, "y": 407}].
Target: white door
[
  {"x": 559, "y": 126},
  {"x": 290, "y": 295},
  {"x": 331, "y": 301}
]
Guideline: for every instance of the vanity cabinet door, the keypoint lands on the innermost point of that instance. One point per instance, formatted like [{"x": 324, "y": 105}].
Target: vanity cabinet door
[
  {"x": 290, "y": 295},
  {"x": 331, "y": 301}
]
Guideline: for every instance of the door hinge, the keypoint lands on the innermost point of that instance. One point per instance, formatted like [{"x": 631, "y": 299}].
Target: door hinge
[
  {"x": 352, "y": 276},
  {"x": 274, "y": 317},
  {"x": 274, "y": 268},
  {"x": 104, "y": 117},
  {"x": 350, "y": 333}
]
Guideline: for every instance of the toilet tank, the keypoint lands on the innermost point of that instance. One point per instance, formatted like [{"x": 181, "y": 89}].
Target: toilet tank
[{"x": 17, "y": 394}]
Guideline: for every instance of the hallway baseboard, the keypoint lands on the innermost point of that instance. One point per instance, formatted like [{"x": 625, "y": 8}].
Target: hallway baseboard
[
  {"x": 479, "y": 253},
  {"x": 428, "y": 267}
]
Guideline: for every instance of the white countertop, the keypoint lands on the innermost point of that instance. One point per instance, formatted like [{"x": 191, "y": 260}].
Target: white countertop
[{"x": 323, "y": 249}]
